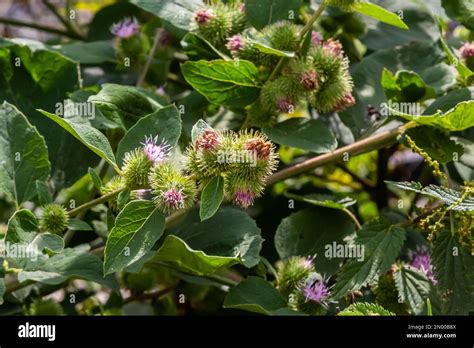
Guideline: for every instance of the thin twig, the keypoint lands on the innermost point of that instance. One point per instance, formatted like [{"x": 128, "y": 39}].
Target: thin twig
[
  {"x": 151, "y": 54},
  {"x": 20, "y": 23},
  {"x": 70, "y": 28},
  {"x": 150, "y": 295},
  {"x": 94, "y": 202}
]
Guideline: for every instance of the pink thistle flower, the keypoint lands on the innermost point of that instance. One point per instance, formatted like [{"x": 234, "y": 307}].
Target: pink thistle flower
[
  {"x": 316, "y": 38},
  {"x": 467, "y": 50},
  {"x": 155, "y": 153},
  {"x": 242, "y": 8},
  {"x": 309, "y": 80},
  {"x": 334, "y": 47},
  {"x": 234, "y": 43},
  {"x": 316, "y": 291},
  {"x": 209, "y": 140},
  {"x": 421, "y": 260},
  {"x": 203, "y": 16},
  {"x": 125, "y": 28},
  {"x": 243, "y": 198},
  {"x": 285, "y": 105},
  {"x": 173, "y": 198},
  {"x": 345, "y": 102}
]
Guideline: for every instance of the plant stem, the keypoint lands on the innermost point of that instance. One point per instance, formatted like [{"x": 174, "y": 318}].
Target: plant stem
[
  {"x": 70, "y": 28},
  {"x": 19, "y": 23},
  {"x": 373, "y": 142},
  {"x": 94, "y": 202},
  {"x": 151, "y": 54},
  {"x": 353, "y": 218},
  {"x": 150, "y": 295}
]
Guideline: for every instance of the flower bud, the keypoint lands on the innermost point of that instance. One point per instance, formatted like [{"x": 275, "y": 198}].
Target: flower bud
[
  {"x": 309, "y": 80},
  {"x": 345, "y": 102},
  {"x": 292, "y": 271},
  {"x": 467, "y": 50},
  {"x": 234, "y": 43},
  {"x": 209, "y": 140},
  {"x": 204, "y": 16},
  {"x": 54, "y": 218},
  {"x": 346, "y": 5},
  {"x": 136, "y": 168}
]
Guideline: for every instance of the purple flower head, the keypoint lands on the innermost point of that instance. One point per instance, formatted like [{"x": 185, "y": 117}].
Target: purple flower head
[
  {"x": 345, "y": 102},
  {"x": 285, "y": 105},
  {"x": 173, "y": 198},
  {"x": 467, "y": 50},
  {"x": 155, "y": 153},
  {"x": 242, "y": 8},
  {"x": 307, "y": 263},
  {"x": 209, "y": 140},
  {"x": 316, "y": 38},
  {"x": 165, "y": 37},
  {"x": 316, "y": 291},
  {"x": 160, "y": 91},
  {"x": 334, "y": 47},
  {"x": 203, "y": 16},
  {"x": 234, "y": 43},
  {"x": 309, "y": 80},
  {"x": 421, "y": 260},
  {"x": 243, "y": 198},
  {"x": 125, "y": 28}
]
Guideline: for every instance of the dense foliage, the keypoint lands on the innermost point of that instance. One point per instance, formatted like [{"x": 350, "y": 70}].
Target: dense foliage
[{"x": 283, "y": 157}]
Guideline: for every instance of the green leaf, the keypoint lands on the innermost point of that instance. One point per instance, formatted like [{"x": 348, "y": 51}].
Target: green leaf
[
  {"x": 459, "y": 118},
  {"x": 23, "y": 155},
  {"x": 382, "y": 243},
  {"x": 454, "y": 271},
  {"x": 230, "y": 233},
  {"x": 178, "y": 13},
  {"x": 42, "y": 190},
  {"x": 96, "y": 52},
  {"x": 312, "y": 232},
  {"x": 176, "y": 253},
  {"x": 462, "y": 69},
  {"x": 261, "y": 13},
  {"x": 325, "y": 201},
  {"x": 96, "y": 180},
  {"x": 307, "y": 134},
  {"x": 381, "y": 14},
  {"x": 230, "y": 83},
  {"x": 196, "y": 47},
  {"x": 413, "y": 287},
  {"x": 137, "y": 228},
  {"x": 211, "y": 198},
  {"x": 198, "y": 128},
  {"x": 88, "y": 136},
  {"x": 70, "y": 263},
  {"x": 461, "y": 11},
  {"x": 265, "y": 47},
  {"x": 164, "y": 123},
  {"x": 436, "y": 143},
  {"x": 123, "y": 105},
  {"x": 454, "y": 199},
  {"x": 365, "y": 309},
  {"x": 79, "y": 225},
  {"x": 406, "y": 86},
  {"x": 255, "y": 294}
]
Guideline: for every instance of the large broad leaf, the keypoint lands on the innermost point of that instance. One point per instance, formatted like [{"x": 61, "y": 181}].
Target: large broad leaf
[
  {"x": 178, "y": 13},
  {"x": 261, "y": 13},
  {"x": 454, "y": 199},
  {"x": 23, "y": 155},
  {"x": 306, "y": 134},
  {"x": 24, "y": 244},
  {"x": 325, "y": 201},
  {"x": 123, "y": 105},
  {"x": 196, "y": 47},
  {"x": 70, "y": 263},
  {"x": 450, "y": 100},
  {"x": 50, "y": 77},
  {"x": 176, "y": 253},
  {"x": 380, "y": 14},
  {"x": 459, "y": 118},
  {"x": 88, "y": 52},
  {"x": 454, "y": 271},
  {"x": 413, "y": 287},
  {"x": 230, "y": 233},
  {"x": 382, "y": 243},
  {"x": 255, "y": 294},
  {"x": 425, "y": 59},
  {"x": 266, "y": 47},
  {"x": 137, "y": 228},
  {"x": 460, "y": 10},
  {"x": 87, "y": 135},
  {"x": 224, "y": 82},
  {"x": 314, "y": 232},
  {"x": 364, "y": 309},
  {"x": 405, "y": 86},
  {"x": 164, "y": 123},
  {"x": 211, "y": 197}
]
